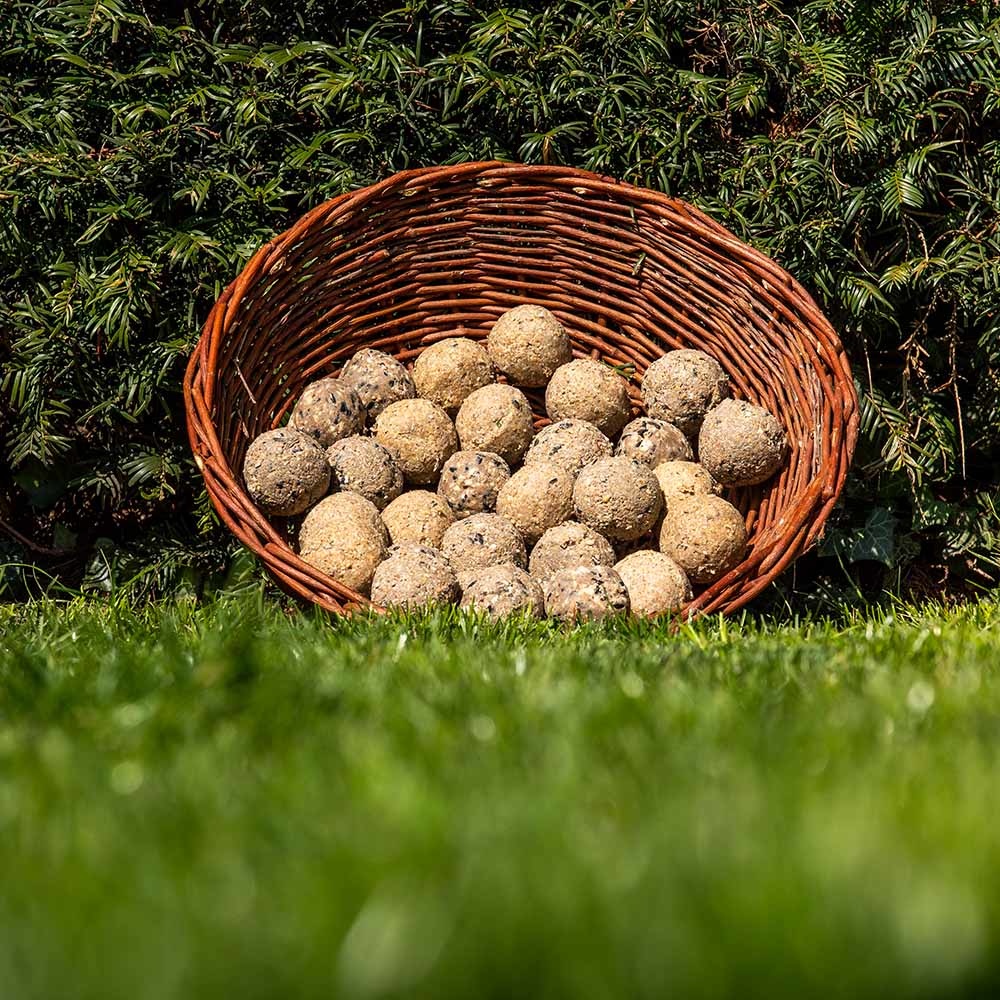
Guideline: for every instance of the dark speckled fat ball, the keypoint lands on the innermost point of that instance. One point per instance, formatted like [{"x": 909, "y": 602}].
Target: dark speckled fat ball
[
  {"x": 483, "y": 540},
  {"x": 378, "y": 379},
  {"x": 682, "y": 386},
  {"x": 283, "y": 472},
  {"x": 328, "y": 410},
  {"x": 585, "y": 592},
  {"x": 471, "y": 481},
  {"x": 503, "y": 590}
]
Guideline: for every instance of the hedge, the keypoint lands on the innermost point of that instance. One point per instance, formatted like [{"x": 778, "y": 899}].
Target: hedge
[{"x": 148, "y": 149}]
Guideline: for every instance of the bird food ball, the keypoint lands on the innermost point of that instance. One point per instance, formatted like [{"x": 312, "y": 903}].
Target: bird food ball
[
  {"x": 471, "y": 480},
  {"x": 378, "y": 379},
  {"x": 684, "y": 479},
  {"x": 588, "y": 390},
  {"x": 413, "y": 576},
  {"x": 568, "y": 545},
  {"x": 418, "y": 516},
  {"x": 482, "y": 540},
  {"x": 503, "y": 590},
  {"x": 653, "y": 442},
  {"x": 361, "y": 465},
  {"x": 496, "y": 418},
  {"x": 420, "y": 436},
  {"x": 536, "y": 498},
  {"x": 448, "y": 371},
  {"x": 585, "y": 592},
  {"x": 656, "y": 585},
  {"x": 328, "y": 410},
  {"x": 283, "y": 472},
  {"x": 682, "y": 387},
  {"x": 574, "y": 443},
  {"x": 704, "y": 535},
  {"x": 527, "y": 343},
  {"x": 741, "y": 444},
  {"x": 618, "y": 497},
  {"x": 344, "y": 537}
]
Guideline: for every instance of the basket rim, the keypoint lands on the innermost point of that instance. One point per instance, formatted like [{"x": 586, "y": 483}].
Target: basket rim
[{"x": 802, "y": 521}]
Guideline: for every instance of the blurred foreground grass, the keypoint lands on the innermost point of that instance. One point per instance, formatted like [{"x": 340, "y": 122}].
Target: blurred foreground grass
[{"x": 229, "y": 802}]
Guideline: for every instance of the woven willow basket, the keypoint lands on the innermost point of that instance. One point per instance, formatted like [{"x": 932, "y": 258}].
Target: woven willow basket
[{"x": 428, "y": 254}]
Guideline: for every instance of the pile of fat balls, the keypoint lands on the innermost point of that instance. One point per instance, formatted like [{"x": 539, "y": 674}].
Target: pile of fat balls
[{"x": 431, "y": 486}]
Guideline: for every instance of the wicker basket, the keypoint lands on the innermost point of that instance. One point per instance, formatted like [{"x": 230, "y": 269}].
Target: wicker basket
[{"x": 432, "y": 253}]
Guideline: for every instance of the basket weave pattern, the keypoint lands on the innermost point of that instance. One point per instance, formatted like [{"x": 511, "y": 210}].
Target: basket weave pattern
[{"x": 440, "y": 252}]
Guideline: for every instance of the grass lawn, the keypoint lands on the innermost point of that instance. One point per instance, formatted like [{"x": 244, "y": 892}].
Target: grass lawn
[{"x": 230, "y": 802}]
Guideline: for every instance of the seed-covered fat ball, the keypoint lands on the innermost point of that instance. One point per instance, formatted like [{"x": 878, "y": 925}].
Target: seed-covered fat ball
[
  {"x": 656, "y": 585},
  {"x": 361, "y": 465},
  {"x": 684, "y": 479},
  {"x": 588, "y": 390},
  {"x": 537, "y": 497},
  {"x": 573, "y": 443},
  {"x": 448, "y": 371},
  {"x": 418, "y": 516},
  {"x": 585, "y": 592},
  {"x": 283, "y": 474},
  {"x": 503, "y": 590},
  {"x": 566, "y": 546},
  {"x": 682, "y": 387},
  {"x": 496, "y": 418},
  {"x": 420, "y": 436},
  {"x": 653, "y": 442},
  {"x": 471, "y": 481},
  {"x": 482, "y": 540},
  {"x": 344, "y": 537},
  {"x": 328, "y": 410},
  {"x": 618, "y": 497},
  {"x": 413, "y": 576},
  {"x": 378, "y": 379},
  {"x": 527, "y": 343},
  {"x": 741, "y": 444},
  {"x": 704, "y": 535}
]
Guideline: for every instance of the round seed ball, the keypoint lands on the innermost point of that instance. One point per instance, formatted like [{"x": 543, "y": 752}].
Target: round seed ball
[
  {"x": 582, "y": 592},
  {"x": 328, "y": 410},
  {"x": 656, "y": 585},
  {"x": 682, "y": 387},
  {"x": 446, "y": 372},
  {"x": 378, "y": 379},
  {"x": 741, "y": 444},
  {"x": 471, "y": 480},
  {"x": 503, "y": 590},
  {"x": 420, "y": 436},
  {"x": 618, "y": 497},
  {"x": 574, "y": 443},
  {"x": 652, "y": 442},
  {"x": 704, "y": 535},
  {"x": 283, "y": 474},
  {"x": 496, "y": 418},
  {"x": 482, "y": 540},
  {"x": 418, "y": 516},
  {"x": 567, "y": 545},
  {"x": 684, "y": 479},
  {"x": 413, "y": 576},
  {"x": 588, "y": 390},
  {"x": 344, "y": 537},
  {"x": 527, "y": 343},
  {"x": 361, "y": 465},
  {"x": 536, "y": 498}
]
